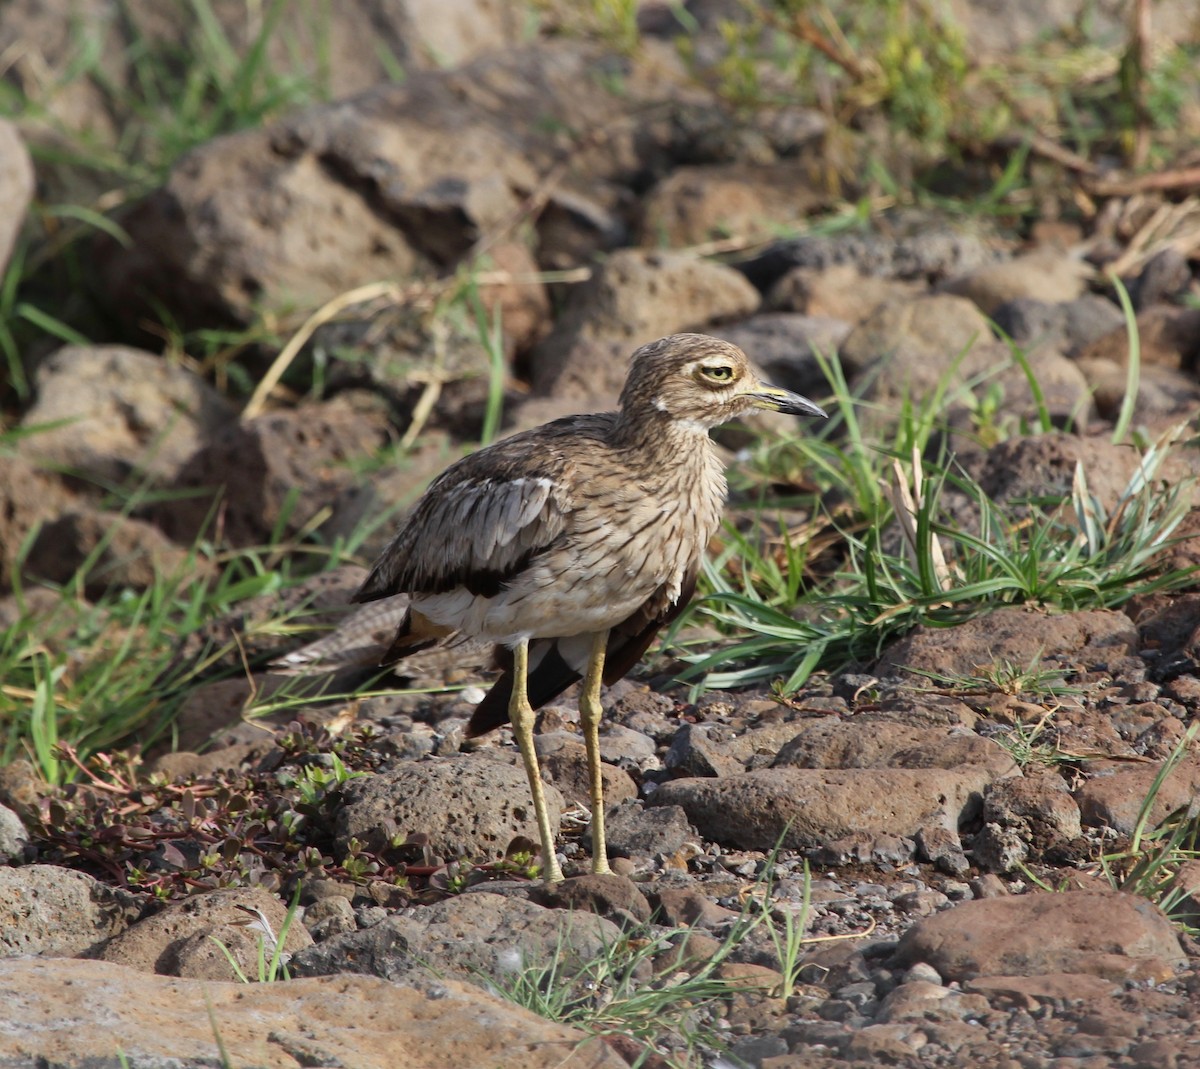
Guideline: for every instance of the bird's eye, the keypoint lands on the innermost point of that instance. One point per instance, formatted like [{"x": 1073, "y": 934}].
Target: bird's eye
[{"x": 718, "y": 373}]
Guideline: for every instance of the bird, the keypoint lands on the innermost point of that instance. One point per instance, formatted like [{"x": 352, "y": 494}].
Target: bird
[{"x": 568, "y": 546}]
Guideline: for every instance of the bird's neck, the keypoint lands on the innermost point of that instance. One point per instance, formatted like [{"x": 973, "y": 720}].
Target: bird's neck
[{"x": 659, "y": 433}]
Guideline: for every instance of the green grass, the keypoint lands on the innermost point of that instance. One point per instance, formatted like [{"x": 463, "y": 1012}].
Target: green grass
[
  {"x": 95, "y": 676},
  {"x": 647, "y": 986},
  {"x": 899, "y": 559},
  {"x": 272, "y": 958}
]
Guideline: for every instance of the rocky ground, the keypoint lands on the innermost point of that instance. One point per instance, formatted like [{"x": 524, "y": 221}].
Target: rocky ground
[{"x": 936, "y": 816}]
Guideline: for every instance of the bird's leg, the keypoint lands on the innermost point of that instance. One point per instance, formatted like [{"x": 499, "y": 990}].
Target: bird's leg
[
  {"x": 520, "y": 715},
  {"x": 590, "y": 712}
]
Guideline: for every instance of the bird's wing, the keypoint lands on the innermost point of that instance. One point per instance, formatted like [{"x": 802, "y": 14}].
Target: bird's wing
[{"x": 477, "y": 526}]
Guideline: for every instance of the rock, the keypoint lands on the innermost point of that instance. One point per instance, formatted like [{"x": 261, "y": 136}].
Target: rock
[
  {"x": 1023, "y": 814},
  {"x": 1067, "y": 325},
  {"x": 693, "y": 752},
  {"x": 1164, "y": 395},
  {"x": 179, "y": 941},
  {"x": 1045, "y": 274},
  {"x": 839, "y": 293},
  {"x": 474, "y": 937},
  {"x": 120, "y": 552},
  {"x": 328, "y": 917},
  {"x": 1113, "y": 796},
  {"x": 1013, "y": 469},
  {"x": 883, "y": 742},
  {"x": 312, "y": 43},
  {"x": 993, "y": 30},
  {"x": 914, "y": 247},
  {"x": 1163, "y": 278},
  {"x": 942, "y": 848},
  {"x": 687, "y": 907},
  {"x": 1168, "y": 336},
  {"x": 28, "y": 497},
  {"x": 274, "y": 474},
  {"x": 802, "y": 808},
  {"x": 16, "y": 188},
  {"x": 94, "y": 1013},
  {"x": 127, "y": 412},
  {"x": 613, "y": 897},
  {"x": 910, "y": 349},
  {"x": 1015, "y": 636},
  {"x": 1106, "y": 934},
  {"x": 563, "y": 758},
  {"x": 469, "y": 805},
  {"x": 631, "y": 830},
  {"x": 1028, "y": 992},
  {"x": 696, "y": 204},
  {"x": 635, "y": 297},
  {"x": 56, "y": 912},
  {"x": 366, "y": 188},
  {"x": 13, "y": 836},
  {"x": 922, "y": 1000}
]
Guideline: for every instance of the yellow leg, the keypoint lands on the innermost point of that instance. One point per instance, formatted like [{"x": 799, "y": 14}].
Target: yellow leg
[
  {"x": 520, "y": 714},
  {"x": 590, "y": 712}
]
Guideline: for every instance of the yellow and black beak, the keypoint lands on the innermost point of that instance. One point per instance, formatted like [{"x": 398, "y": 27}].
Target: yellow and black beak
[{"x": 778, "y": 400}]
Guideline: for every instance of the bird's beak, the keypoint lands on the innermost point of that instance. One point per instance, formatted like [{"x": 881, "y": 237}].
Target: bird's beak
[{"x": 778, "y": 400}]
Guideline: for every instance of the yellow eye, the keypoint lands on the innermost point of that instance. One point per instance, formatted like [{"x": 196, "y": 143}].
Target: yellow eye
[{"x": 718, "y": 373}]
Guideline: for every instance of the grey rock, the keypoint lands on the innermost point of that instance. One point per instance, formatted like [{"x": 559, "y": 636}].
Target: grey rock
[
  {"x": 616, "y": 898},
  {"x": 470, "y": 937},
  {"x": 56, "y": 912},
  {"x": 1045, "y": 273},
  {"x": 28, "y": 497},
  {"x": 784, "y": 345},
  {"x": 563, "y": 758},
  {"x": 634, "y": 831},
  {"x": 368, "y": 187},
  {"x": 13, "y": 836},
  {"x": 1066, "y": 325},
  {"x": 120, "y": 551},
  {"x": 126, "y": 411},
  {"x": 329, "y": 917},
  {"x": 906, "y": 349},
  {"x": 470, "y": 805},
  {"x": 697, "y": 203},
  {"x": 694, "y": 752},
  {"x": 924, "y": 249},
  {"x": 889, "y": 742},
  {"x": 803, "y": 808},
  {"x": 179, "y": 941},
  {"x": 1021, "y": 815},
  {"x": 284, "y": 468}
]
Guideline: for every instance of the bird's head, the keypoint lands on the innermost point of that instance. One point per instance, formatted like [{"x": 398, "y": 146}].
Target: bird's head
[{"x": 701, "y": 381}]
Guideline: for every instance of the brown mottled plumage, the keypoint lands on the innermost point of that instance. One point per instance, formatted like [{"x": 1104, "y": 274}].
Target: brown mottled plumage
[{"x": 569, "y": 546}]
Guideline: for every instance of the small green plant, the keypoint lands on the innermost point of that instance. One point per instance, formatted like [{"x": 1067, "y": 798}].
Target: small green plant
[
  {"x": 1031, "y": 743},
  {"x": 785, "y": 925},
  {"x": 272, "y": 958},
  {"x": 317, "y": 780},
  {"x": 1035, "y": 680}
]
